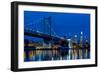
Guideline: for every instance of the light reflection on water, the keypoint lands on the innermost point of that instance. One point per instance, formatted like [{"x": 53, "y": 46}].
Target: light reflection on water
[{"x": 47, "y": 55}]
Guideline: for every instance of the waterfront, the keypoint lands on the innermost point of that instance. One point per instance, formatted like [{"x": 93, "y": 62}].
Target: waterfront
[
  {"x": 50, "y": 36},
  {"x": 50, "y": 48},
  {"x": 65, "y": 54}
]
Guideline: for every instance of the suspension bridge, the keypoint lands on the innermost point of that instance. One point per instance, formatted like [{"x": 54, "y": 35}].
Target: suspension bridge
[{"x": 42, "y": 28}]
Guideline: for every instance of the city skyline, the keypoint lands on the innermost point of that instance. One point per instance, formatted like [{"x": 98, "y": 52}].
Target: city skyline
[
  {"x": 64, "y": 24},
  {"x": 56, "y": 36}
]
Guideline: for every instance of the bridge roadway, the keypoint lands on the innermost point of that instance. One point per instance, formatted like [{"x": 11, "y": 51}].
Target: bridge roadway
[{"x": 42, "y": 35}]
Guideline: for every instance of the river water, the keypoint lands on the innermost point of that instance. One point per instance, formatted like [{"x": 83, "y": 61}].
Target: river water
[{"x": 51, "y": 55}]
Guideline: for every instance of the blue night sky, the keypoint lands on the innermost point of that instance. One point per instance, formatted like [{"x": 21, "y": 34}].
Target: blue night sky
[{"x": 68, "y": 24}]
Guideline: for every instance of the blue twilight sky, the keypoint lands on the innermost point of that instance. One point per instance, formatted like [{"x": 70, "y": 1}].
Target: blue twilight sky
[{"x": 68, "y": 24}]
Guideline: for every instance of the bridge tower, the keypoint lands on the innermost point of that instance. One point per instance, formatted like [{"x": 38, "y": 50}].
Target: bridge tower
[
  {"x": 47, "y": 30},
  {"x": 47, "y": 25}
]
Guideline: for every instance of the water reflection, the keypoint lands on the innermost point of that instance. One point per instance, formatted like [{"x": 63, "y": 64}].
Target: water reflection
[{"x": 56, "y": 54}]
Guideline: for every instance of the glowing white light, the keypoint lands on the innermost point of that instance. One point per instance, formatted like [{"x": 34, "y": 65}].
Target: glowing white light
[
  {"x": 81, "y": 33},
  {"x": 75, "y": 35}
]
